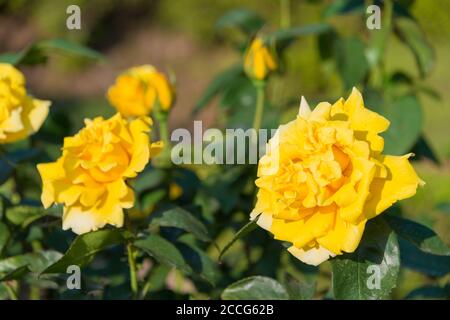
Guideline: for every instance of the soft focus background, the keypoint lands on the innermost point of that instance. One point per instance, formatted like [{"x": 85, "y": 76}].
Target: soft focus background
[{"x": 180, "y": 37}]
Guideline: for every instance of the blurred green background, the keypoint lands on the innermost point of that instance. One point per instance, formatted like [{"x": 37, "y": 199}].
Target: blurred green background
[{"x": 179, "y": 37}]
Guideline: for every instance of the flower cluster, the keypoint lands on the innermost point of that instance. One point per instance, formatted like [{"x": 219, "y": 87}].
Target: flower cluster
[
  {"x": 20, "y": 114},
  {"x": 140, "y": 90},
  {"x": 90, "y": 176},
  {"x": 324, "y": 175}
]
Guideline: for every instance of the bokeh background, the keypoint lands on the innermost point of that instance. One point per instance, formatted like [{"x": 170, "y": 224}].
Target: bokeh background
[{"x": 180, "y": 37}]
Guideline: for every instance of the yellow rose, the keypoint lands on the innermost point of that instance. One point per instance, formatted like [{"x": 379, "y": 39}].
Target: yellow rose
[
  {"x": 89, "y": 179},
  {"x": 323, "y": 176},
  {"x": 136, "y": 91},
  {"x": 258, "y": 61},
  {"x": 20, "y": 114}
]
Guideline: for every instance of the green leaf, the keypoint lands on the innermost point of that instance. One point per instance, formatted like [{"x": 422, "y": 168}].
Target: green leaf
[
  {"x": 255, "y": 288},
  {"x": 339, "y": 7},
  {"x": 38, "y": 52},
  {"x": 25, "y": 215},
  {"x": 430, "y": 292},
  {"x": 300, "y": 290},
  {"x": 410, "y": 33},
  {"x": 14, "y": 266},
  {"x": 85, "y": 247},
  {"x": 245, "y": 230},
  {"x": 414, "y": 258},
  {"x": 219, "y": 83},
  {"x": 11, "y": 58},
  {"x": 180, "y": 218},
  {"x": 371, "y": 271},
  {"x": 351, "y": 61},
  {"x": 246, "y": 20},
  {"x": 163, "y": 251},
  {"x": 284, "y": 37},
  {"x": 4, "y": 236},
  {"x": 421, "y": 236},
  {"x": 200, "y": 262},
  {"x": 10, "y": 160},
  {"x": 405, "y": 115},
  {"x": 15, "y": 274},
  {"x": 67, "y": 47}
]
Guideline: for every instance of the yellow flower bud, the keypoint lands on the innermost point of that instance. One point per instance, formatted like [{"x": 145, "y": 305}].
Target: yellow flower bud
[
  {"x": 138, "y": 89},
  {"x": 324, "y": 175},
  {"x": 20, "y": 114},
  {"x": 89, "y": 179},
  {"x": 258, "y": 61}
]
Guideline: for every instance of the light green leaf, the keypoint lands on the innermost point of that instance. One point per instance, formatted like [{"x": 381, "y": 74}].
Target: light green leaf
[
  {"x": 410, "y": 33},
  {"x": 245, "y": 230},
  {"x": 38, "y": 52},
  {"x": 419, "y": 235},
  {"x": 25, "y": 215},
  {"x": 182, "y": 219},
  {"x": 255, "y": 288},
  {"x": 351, "y": 61},
  {"x": 85, "y": 247},
  {"x": 67, "y": 47},
  {"x": 246, "y": 20},
  {"x": 15, "y": 274},
  {"x": 371, "y": 271},
  {"x": 405, "y": 115},
  {"x": 163, "y": 251},
  {"x": 34, "y": 262}
]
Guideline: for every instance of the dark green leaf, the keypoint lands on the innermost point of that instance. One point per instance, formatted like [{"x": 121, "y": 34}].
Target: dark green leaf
[
  {"x": 300, "y": 290},
  {"x": 351, "y": 61},
  {"x": 410, "y": 33},
  {"x": 430, "y": 292},
  {"x": 423, "y": 150},
  {"x": 284, "y": 37},
  {"x": 219, "y": 83},
  {"x": 9, "y": 161},
  {"x": 339, "y": 7},
  {"x": 419, "y": 235},
  {"x": 415, "y": 259},
  {"x": 163, "y": 251},
  {"x": 4, "y": 236},
  {"x": 371, "y": 271},
  {"x": 255, "y": 288},
  {"x": 85, "y": 247},
  {"x": 200, "y": 263},
  {"x": 245, "y": 230},
  {"x": 243, "y": 19},
  {"x": 180, "y": 218}
]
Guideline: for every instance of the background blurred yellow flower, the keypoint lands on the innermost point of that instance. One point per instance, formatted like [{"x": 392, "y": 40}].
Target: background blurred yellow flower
[
  {"x": 20, "y": 114},
  {"x": 258, "y": 61},
  {"x": 90, "y": 176},
  {"x": 323, "y": 176},
  {"x": 138, "y": 89}
]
